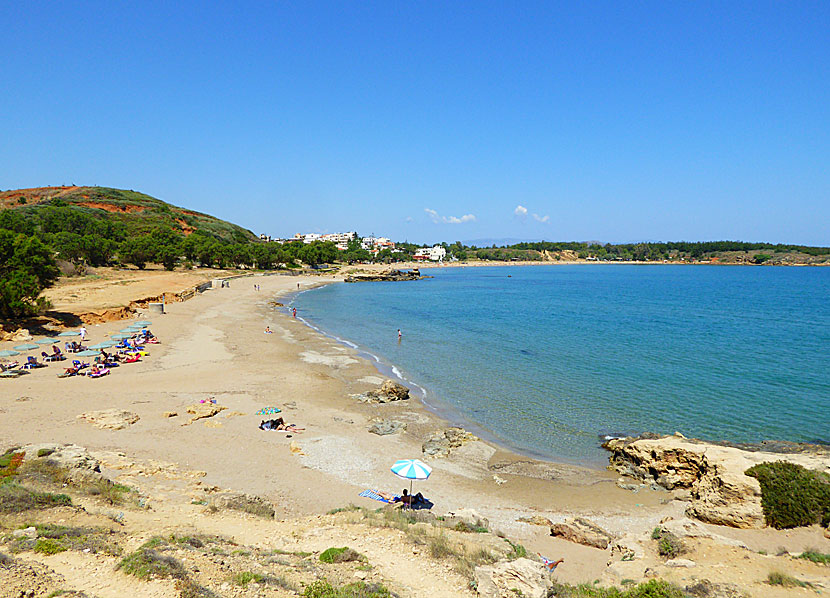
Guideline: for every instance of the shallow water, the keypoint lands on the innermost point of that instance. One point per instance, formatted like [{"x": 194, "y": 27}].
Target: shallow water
[{"x": 548, "y": 359}]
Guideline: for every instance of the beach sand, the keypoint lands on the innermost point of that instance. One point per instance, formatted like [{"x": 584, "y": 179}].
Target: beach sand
[{"x": 213, "y": 347}]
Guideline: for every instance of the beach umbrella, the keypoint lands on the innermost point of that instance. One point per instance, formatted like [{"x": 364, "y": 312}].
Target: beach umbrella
[
  {"x": 129, "y": 330},
  {"x": 70, "y": 333},
  {"x": 142, "y": 323},
  {"x": 8, "y": 353},
  {"x": 47, "y": 341},
  {"x": 8, "y": 374},
  {"x": 411, "y": 469},
  {"x": 103, "y": 345},
  {"x": 88, "y": 353},
  {"x": 25, "y": 347},
  {"x": 119, "y": 337}
]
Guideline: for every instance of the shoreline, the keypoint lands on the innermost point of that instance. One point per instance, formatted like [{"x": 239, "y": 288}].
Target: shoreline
[{"x": 449, "y": 415}]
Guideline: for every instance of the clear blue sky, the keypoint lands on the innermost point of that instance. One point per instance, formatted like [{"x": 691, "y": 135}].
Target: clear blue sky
[{"x": 612, "y": 121}]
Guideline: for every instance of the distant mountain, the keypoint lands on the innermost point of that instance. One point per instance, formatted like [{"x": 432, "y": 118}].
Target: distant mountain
[
  {"x": 500, "y": 242},
  {"x": 138, "y": 212}
]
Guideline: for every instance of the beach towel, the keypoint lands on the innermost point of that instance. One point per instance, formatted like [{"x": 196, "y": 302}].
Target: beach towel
[
  {"x": 375, "y": 496},
  {"x": 551, "y": 565},
  {"x": 268, "y": 411}
]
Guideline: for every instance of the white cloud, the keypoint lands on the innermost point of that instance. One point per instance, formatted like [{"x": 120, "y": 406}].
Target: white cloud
[
  {"x": 438, "y": 219},
  {"x": 539, "y": 218},
  {"x": 409, "y": 219},
  {"x": 520, "y": 211}
]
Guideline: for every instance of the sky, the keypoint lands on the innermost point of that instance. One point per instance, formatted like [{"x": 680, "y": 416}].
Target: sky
[{"x": 434, "y": 121}]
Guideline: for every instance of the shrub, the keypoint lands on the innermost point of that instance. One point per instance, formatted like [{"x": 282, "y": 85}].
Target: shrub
[
  {"x": 791, "y": 495},
  {"x": 340, "y": 555},
  {"x": 323, "y": 589},
  {"x": 776, "y": 578},
  {"x": 517, "y": 551},
  {"x": 9, "y": 464},
  {"x": 815, "y": 556},
  {"x": 147, "y": 563},
  {"x": 654, "y": 588},
  {"x": 14, "y": 498},
  {"x": 668, "y": 545},
  {"x": 49, "y": 546}
]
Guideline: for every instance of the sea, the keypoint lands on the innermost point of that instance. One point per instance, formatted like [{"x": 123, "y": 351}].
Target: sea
[{"x": 550, "y": 360}]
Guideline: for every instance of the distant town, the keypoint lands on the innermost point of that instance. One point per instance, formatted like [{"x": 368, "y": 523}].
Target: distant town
[{"x": 374, "y": 245}]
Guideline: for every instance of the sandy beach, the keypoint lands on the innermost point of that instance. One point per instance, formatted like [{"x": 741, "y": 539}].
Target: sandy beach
[{"x": 214, "y": 348}]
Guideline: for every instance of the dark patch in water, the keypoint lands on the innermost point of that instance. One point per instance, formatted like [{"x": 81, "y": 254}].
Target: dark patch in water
[{"x": 525, "y": 352}]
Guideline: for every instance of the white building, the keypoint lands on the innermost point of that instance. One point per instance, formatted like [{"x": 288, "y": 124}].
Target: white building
[
  {"x": 375, "y": 244},
  {"x": 436, "y": 253}
]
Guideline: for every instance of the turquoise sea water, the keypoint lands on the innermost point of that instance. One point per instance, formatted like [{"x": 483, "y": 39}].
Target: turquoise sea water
[{"x": 548, "y": 359}]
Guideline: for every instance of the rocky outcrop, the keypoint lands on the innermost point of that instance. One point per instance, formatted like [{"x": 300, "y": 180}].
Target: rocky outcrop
[
  {"x": 389, "y": 391},
  {"x": 440, "y": 444},
  {"x": 582, "y": 531},
  {"x": 385, "y": 427},
  {"x": 521, "y": 577},
  {"x": 203, "y": 410},
  {"x": 386, "y": 275},
  {"x": 110, "y": 419},
  {"x": 712, "y": 474}
]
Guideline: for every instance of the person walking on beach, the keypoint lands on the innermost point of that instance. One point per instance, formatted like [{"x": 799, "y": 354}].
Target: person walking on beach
[
  {"x": 294, "y": 311},
  {"x": 83, "y": 333}
]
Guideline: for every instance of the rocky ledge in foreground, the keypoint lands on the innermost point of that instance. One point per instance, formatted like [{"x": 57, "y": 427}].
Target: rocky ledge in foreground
[
  {"x": 386, "y": 275},
  {"x": 713, "y": 475}
]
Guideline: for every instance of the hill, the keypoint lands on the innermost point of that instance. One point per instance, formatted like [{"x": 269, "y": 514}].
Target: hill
[{"x": 136, "y": 212}]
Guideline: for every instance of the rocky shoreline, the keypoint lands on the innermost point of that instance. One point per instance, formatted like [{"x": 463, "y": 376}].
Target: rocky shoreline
[
  {"x": 711, "y": 476},
  {"x": 385, "y": 276}
]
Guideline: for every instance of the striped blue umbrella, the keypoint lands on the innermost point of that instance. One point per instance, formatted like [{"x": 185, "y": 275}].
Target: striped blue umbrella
[
  {"x": 411, "y": 469},
  {"x": 70, "y": 333},
  {"x": 25, "y": 347},
  {"x": 47, "y": 341},
  {"x": 8, "y": 353}
]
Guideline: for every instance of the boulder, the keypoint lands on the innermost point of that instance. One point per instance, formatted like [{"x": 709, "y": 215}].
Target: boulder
[
  {"x": 389, "y": 391},
  {"x": 686, "y": 563},
  {"x": 110, "y": 419},
  {"x": 536, "y": 520},
  {"x": 713, "y": 474},
  {"x": 384, "y": 427},
  {"x": 203, "y": 410},
  {"x": 582, "y": 531},
  {"x": 28, "y": 532},
  {"x": 441, "y": 443},
  {"x": 21, "y": 334},
  {"x": 521, "y": 577}
]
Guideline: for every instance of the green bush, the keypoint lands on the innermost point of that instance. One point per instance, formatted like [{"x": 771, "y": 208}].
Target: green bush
[
  {"x": 776, "y": 578},
  {"x": 815, "y": 556},
  {"x": 323, "y": 589},
  {"x": 791, "y": 495},
  {"x": 668, "y": 545},
  {"x": 14, "y": 498},
  {"x": 340, "y": 555},
  {"x": 654, "y": 588},
  {"x": 49, "y": 546}
]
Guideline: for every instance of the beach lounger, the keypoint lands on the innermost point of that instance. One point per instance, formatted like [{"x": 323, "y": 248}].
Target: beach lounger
[
  {"x": 99, "y": 374},
  {"x": 375, "y": 496}
]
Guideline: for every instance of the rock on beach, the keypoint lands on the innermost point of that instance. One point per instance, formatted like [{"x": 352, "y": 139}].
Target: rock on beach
[{"x": 110, "y": 419}]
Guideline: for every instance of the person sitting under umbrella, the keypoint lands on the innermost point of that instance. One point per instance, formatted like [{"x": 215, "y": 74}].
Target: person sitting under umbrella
[{"x": 411, "y": 500}]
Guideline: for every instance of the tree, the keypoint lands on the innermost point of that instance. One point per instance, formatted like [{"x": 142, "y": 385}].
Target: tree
[{"x": 26, "y": 268}]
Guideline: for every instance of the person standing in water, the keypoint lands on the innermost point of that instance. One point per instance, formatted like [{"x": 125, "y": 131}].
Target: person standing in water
[
  {"x": 400, "y": 335},
  {"x": 294, "y": 311}
]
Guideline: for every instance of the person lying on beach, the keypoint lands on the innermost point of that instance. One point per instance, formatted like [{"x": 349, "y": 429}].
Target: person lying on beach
[
  {"x": 94, "y": 371},
  {"x": 279, "y": 424},
  {"x": 71, "y": 371},
  {"x": 268, "y": 330}
]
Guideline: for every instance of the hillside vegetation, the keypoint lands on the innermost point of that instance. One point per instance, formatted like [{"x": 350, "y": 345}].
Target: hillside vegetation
[{"x": 99, "y": 226}]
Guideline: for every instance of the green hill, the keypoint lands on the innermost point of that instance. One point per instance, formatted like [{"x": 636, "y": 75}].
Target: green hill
[{"x": 133, "y": 212}]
